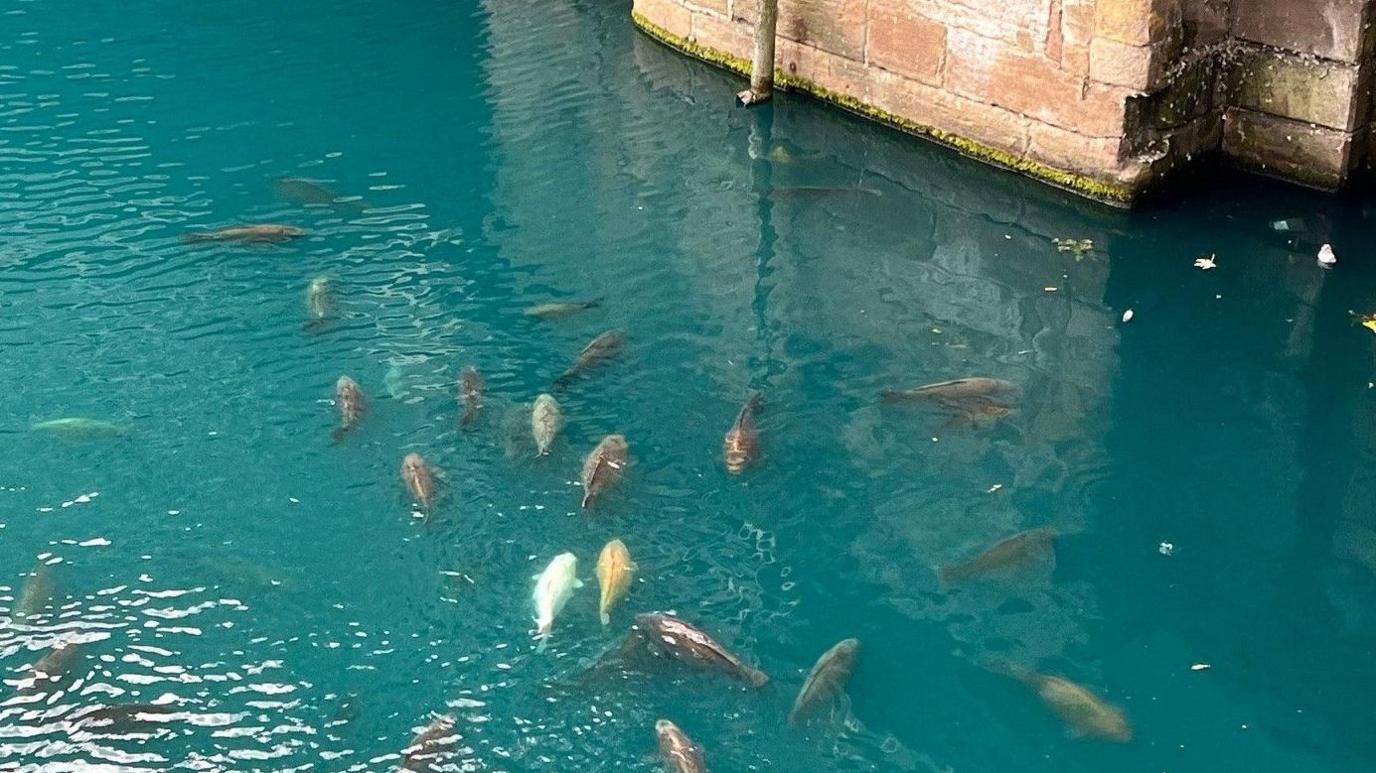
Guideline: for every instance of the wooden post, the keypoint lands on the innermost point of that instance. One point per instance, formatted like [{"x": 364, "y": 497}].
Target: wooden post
[{"x": 762, "y": 64}]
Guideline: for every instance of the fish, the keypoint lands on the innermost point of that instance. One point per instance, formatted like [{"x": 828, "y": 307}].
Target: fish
[
  {"x": 36, "y": 594},
  {"x": 600, "y": 349},
  {"x": 1015, "y": 550},
  {"x": 603, "y": 467},
  {"x": 470, "y": 393},
  {"x": 420, "y": 480},
  {"x": 394, "y": 381},
  {"x": 318, "y": 302},
  {"x": 552, "y": 590},
  {"x": 826, "y": 681},
  {"x": 682, "y": 641},
  {"x": 349, "y": 398},
  {"x": 429, "y": 744},
  {"x": 53, "y": 665},
  {"x": 313, "y": 193},
  {"x": 78, "y": 426},
  {"x": 256, "y": 232},
  {"x": 559, "y": 310},
  {"x": 678, "y": 751},
  {"x": 742, "y": 442},
  {"x": 789, "y": 191},
  {"x": 615, "y": 570},
  {"x": 546, "y": 420},
  {"x": 956, "y": 392},
  {"x": 1085, "y": 713},
  {"x": 122, "y": 717}
]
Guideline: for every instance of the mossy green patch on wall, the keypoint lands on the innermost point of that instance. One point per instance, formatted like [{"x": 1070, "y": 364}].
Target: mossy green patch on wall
[{"x": 1108, "y": 191}]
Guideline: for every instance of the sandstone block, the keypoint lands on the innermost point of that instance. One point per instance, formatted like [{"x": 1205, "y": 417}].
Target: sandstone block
[
  {"x": 902, "y": 41},
  {"x": 1291, "y": 150},
  {"x": 1324, "y": 93},
  {"x": 1328, "y": 28},
  {"x": 1066, "y": 149},
  {"x": 837, "y": 26},
  {"x": 669, "y": 14},
  {"x": 1141, "y": 68},
  {"x": 1136, "y": 22},
  {"x": 715, "y": 6}
]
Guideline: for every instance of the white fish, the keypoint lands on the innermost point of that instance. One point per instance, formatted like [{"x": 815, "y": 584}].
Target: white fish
[
  {"x": 1326, "y": 257},
  {"x": 552, "y": 590},
  {"x": 1127, "y": 315},
  {"x": 546, "y": 419}
]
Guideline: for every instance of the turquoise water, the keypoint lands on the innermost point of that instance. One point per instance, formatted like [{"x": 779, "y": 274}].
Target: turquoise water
[{"x": 221, "y": 552}]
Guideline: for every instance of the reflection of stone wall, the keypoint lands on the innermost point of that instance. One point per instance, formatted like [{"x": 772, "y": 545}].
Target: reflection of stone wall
[{"x": 1100, "y": 96}]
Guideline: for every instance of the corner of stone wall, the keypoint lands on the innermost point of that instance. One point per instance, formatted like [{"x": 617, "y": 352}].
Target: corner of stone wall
[{"x": 1299, "y": 89}]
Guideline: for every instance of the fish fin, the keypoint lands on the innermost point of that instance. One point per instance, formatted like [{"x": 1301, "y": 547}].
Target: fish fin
[
  {"x": 606, "y": 617},
  {"x": 577, "y": 583},
  {"x": 587, "y": 500}
]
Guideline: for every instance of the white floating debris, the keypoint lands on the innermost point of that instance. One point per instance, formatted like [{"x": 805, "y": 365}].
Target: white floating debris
[
  {"x": 1205, "y": 264},
  {"x": 1200, "y": 667},
  {"x": 1326, "y": 257},
  {"x": 98, "y": 542},
  {"x": 1166, "y": 548},
  {"x": 1127, "y": 315},
  {"x": 994, "y": 488},
  {"x": 1049, "y": 289}
]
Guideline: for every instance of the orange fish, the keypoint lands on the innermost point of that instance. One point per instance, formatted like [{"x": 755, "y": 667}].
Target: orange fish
[{"x": 742, "y": 443}]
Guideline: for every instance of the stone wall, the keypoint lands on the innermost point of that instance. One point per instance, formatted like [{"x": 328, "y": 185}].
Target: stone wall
[{"x": 1102, "y": 97}]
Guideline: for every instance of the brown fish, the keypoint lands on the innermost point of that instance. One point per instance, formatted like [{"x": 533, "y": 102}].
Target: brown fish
[
  {"x": 961, "y": 390},
  {"x": 600, "y": 349},
  {"x": 826, "y": 681},
  {"x": 1008, "y": 552},
  {"x": 257, "y": 232},
  {"x": 604, "y": 466},
  {"x": 349, "y": 398},
  {"x": 675, "y": 638},
  {"x": 429, "y": 744},
  {"x": 470, "y": 394},
  {"x": 419, "y": 479},
  {"x": 53, "y": 666},
  {"x": 559, "y": 310},
  {"x": 742, "y": 443},
  {"x": 678, "y": 751},
  {"x": 1085, "y": 713},
  {"x": 122, "y": 717}
]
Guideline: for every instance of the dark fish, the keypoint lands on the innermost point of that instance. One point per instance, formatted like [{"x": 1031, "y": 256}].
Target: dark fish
[
  {"x": 961, "y": 390},
  {"x": 600, "y": 349},
  {"x": 429, "y": 744},
  {"x": 559, "y": 310},
  {"x": 122, "y": 717},
  {"x": 673, "y": 637},
  {"x": 678, "y": 751},
  {"x": 742, "y": 443},
  {"x": 259, "y": 232},
  {"x": 351, "y": 404},
  {"x": 470, "y": 394},
  {"x": 604, "y": 466},
  {"x": 419, "y": 479},
  {"x": 36, "y": 594},
  {"x": 826, "y": 681},
  {"x": 312, "y": 193},
  {"x": 1008, "y": 552}
]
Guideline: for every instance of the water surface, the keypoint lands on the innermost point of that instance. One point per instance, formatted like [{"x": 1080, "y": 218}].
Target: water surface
[{"x": 222, "y": 553}]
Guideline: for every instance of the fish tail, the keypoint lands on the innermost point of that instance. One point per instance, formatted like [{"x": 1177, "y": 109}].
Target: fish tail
[
  {"x": 314, "y": 325},
  {"x": 755, "y": 403},
  {"x": 468, "y": 414},
  {"x": 587, "y": 500},
  {"x": 950, "y": 574},
  {"x": 758, "y": 677},
  {"x": 606, "y": 617},
  {"x": 563, "y": 381},
  {"x": 543, "y": 641},
  {"x": 339, "y": 433},
  {"x": 594, "y": 303},
  {"x": 891, "y": 396},
  {"x": 192, "y": 238}
]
